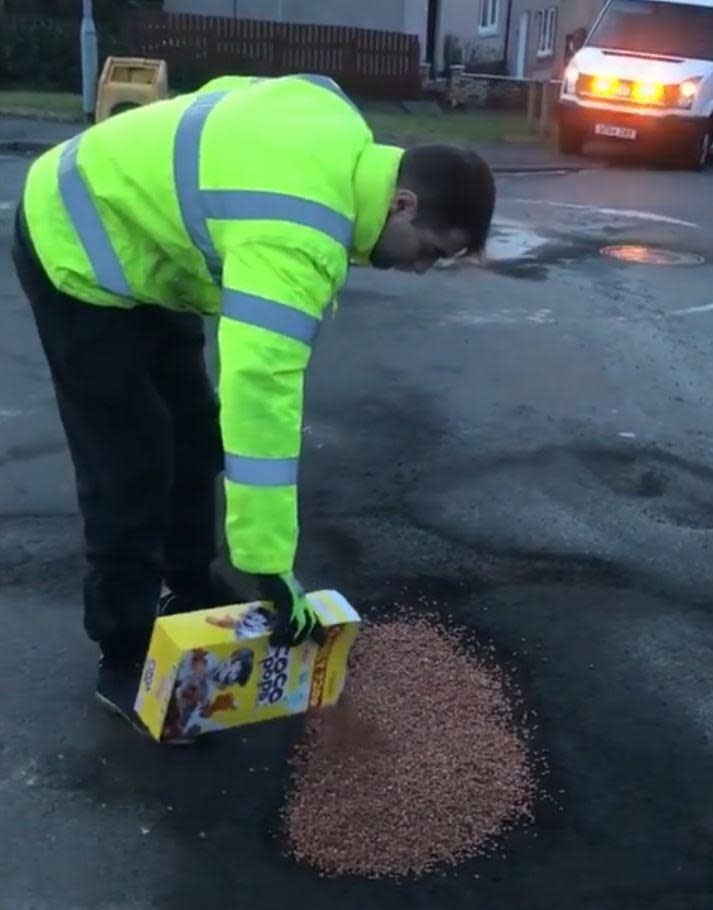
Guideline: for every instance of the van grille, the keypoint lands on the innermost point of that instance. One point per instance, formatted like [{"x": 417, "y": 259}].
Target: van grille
[{"x": 623, "y": 93}]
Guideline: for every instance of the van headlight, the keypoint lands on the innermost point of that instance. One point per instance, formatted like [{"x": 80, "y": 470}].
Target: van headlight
[
  {"x": 571, "y": 75},
  {"x": 687, "y": 91}
]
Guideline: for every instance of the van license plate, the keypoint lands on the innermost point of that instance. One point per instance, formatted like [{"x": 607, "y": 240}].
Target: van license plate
[{"x": 616, "y": 132}]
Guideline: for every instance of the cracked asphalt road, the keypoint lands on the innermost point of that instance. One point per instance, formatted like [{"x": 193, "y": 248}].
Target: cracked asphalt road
[{"x": 528, "y": 443}]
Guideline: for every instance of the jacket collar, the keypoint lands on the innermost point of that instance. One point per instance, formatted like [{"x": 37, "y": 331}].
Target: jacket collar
[{"x": 374, "y": 185}]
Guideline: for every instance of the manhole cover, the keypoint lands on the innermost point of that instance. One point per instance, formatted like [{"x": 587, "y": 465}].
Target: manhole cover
[{"x": 650, "y": 255}]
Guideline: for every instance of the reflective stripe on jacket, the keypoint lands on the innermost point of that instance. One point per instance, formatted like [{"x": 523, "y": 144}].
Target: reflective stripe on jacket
[{"x": 245, "y": 199}]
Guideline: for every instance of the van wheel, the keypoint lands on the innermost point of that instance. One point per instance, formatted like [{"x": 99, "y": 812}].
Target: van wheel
[
  {"x": 699, "y": 156},
  {"x": 570, "y": 140}
]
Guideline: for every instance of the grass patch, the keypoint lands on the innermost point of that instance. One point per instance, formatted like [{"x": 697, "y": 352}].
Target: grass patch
[
  {"x": 64, "y": 103},
  {"x": 457, "y": 126},
  {"x": 475, "y": 127}
]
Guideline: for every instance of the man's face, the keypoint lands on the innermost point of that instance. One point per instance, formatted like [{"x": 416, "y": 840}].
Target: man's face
[{"x": 412, "y": 247}]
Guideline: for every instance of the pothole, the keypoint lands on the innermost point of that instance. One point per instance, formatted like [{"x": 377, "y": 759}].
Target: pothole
[{"x": 640, "y": 254}]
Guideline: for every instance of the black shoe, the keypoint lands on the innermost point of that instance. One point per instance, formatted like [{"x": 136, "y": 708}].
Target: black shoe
[
  {"x": 219, "y": 594},
  {"x": 171, "y": 604},
  {"x": 117, "y": 687}
]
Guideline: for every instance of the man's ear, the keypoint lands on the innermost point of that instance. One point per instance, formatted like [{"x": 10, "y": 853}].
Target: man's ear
[{"x": 404, "y": 201}]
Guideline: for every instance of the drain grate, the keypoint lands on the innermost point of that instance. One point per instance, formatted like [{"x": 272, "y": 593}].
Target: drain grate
[{"x": 650, "y": 255}]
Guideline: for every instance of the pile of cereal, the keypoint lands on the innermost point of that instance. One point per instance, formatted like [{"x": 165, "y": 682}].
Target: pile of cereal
[{"x": 420, "y": 765}]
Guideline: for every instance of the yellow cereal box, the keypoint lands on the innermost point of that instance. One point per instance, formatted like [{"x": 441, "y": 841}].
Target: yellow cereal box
[{"x": 214, "y": 669}]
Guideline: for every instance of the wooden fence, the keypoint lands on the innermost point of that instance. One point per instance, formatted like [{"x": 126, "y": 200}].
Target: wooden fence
[{"x": 364, "y": 62}]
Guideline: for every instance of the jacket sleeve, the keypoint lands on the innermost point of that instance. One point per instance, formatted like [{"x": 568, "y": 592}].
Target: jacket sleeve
[{"x": 272, "y": 305}]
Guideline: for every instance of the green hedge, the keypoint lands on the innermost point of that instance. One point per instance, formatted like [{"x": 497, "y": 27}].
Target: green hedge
[
  {"x": 103, "y": 10},
  {"x": 38, "y": 52}
]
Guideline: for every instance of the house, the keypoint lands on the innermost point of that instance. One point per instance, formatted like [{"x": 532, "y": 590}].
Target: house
[
  {"x": 450, "y": 31},
  {"x": 544, "y": 34},
  {"x": 518, "y": 37},
  {"x": 386, "y": 15},
  {"x": 471, "y": 32}
]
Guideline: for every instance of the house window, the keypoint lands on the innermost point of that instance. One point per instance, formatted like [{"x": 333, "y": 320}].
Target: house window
[
  {"x": 489, "y": 17},
  {"x": 547, "y": 32}
]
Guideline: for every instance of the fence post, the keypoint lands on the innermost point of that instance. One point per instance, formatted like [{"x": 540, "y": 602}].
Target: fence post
[
  {"x": 545, "y": 109},
  {"x": 277, "y": 50},
  {"x": 531, "y": 105},
  {"x": 353, "y": 54},
  {"x": 128, "y": 30},
  {"x": 549, "y": 94},
  {"x": 211, "y": 48},
  {"x": 556, "y": 88},
  {"x": 455, "y": 83}
]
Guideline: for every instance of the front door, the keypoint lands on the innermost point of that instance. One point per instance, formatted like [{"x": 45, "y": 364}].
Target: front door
[{"x": 523, "y": 31}]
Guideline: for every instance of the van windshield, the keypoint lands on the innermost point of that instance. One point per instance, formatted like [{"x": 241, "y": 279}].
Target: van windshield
[{"x": 647, "y": 27}]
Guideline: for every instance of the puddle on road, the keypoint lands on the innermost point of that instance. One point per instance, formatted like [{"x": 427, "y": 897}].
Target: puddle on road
[
  {"x": 523, "y": 251},
  {"x": 519, "y": 250},
  {"x": 512, "y": 240}
]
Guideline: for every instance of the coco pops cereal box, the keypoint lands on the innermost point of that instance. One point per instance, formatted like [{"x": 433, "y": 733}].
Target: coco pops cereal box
[{"x": 214, "y": 669}]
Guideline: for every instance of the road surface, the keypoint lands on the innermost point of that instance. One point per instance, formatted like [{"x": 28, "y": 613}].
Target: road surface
[{"x": 529, "y": 443}]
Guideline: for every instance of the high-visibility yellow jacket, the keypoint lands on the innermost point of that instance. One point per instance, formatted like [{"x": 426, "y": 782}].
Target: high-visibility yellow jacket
[{"x": 245, "y": 199}]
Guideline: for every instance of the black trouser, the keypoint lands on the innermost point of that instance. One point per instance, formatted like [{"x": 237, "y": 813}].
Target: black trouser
[{"x": 141, "y": 420}]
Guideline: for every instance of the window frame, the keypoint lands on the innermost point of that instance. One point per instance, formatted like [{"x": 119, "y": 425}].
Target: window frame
[
  {"x": 546, "y": 32},
  {"x": 491, "y": 25}
]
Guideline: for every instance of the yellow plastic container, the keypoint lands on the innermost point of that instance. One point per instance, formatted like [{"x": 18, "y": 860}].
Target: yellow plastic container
[
  {"x": 215, "y": 669},
  {"x": 130, "y": 81}
]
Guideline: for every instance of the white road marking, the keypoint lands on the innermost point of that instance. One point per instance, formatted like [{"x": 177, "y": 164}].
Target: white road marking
[
  {"x": 706, "y": 308},
  {"x": 519, "y": 316},
  {"x": 619, "y": 213},
  {"x": 627, "y": 435},
  {"x": 542, "y": 173},
  {"x": 6, "y": 413},
  {"x": 541, "y": 317},
  {"x": 5, "y": 206}
]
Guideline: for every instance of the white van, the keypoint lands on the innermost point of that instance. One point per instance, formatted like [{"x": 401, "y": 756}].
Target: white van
[{"x": 644, "y": 74}]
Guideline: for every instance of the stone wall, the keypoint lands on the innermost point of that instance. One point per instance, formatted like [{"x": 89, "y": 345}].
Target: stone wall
[{"x": 486, "y": 91}]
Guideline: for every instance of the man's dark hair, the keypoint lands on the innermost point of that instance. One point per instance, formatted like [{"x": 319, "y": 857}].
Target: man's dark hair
[{"x": 455, "y": 189}]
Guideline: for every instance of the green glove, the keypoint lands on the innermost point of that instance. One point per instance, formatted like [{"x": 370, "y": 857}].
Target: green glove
[{"x": 296, "y": 618}]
